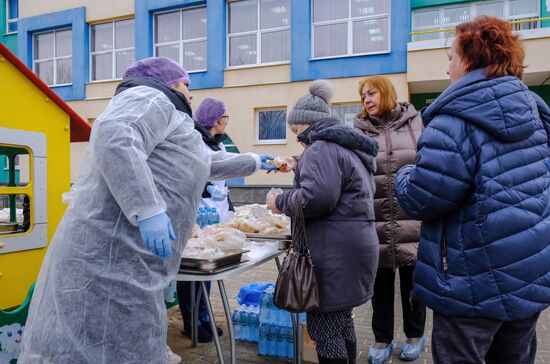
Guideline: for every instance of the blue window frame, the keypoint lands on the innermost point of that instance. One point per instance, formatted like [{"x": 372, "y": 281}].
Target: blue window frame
[
  {"x": 74, "y": 19},
  {"x": 304, "y": 67},
  {"x": 181, "y": 36},
  {"x": 52, "y": 56},
  {"x": 212, "y": 76},
  {"x": 271, "y": 126},
  {"x": 12, "y": 15}
]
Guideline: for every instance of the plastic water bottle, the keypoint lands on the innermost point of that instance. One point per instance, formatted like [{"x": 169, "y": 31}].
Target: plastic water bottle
[
  {"x": 254, "y": 324},
  {"x": 215, "y": 215},
  {"x": 262, "y": 343},
  {"x": 237, "y": 323},
  {"x": 281, "y": 341},
  {"x": 208, "y": 216},
  {"x": 271, "y": 312},
  {"x": 201, "y": 217},
  {"x": 271, "y": 333},
  {"x": 264, "y": 307},
  {"x": 283, "y": 317},
  {"x": 245, "y": 328},
  {"x": 289, "y": 339}
]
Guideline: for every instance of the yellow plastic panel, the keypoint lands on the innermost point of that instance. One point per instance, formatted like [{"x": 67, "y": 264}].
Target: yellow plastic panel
[{"x": 25, "y": 107}]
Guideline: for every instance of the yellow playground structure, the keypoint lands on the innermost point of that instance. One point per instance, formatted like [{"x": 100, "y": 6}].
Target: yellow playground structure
[{"x": 36, "y": 129}]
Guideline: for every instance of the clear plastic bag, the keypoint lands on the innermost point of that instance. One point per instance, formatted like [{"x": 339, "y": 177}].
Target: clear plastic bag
[{"x": 272, "y": 195}]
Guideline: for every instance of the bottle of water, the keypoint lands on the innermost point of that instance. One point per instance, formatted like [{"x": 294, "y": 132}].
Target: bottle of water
[
  {"x": 206, "y": 217},
  {"x": 237, "y": 323},
  {"x": 271, "y": 311},
  {"x": 280, "y": 342},
  {"x": 245, "y": 328},
  {"x": 202, "y": 218},
  {"x": 209, "y": 216},
  {"x": 262, "y": 344},
  {"x": 264, "y": 307},
  {"x": 271, "y": 334},
  {"x": 289, "y": 336},
  {"x": 254, "y": 322},
  {"x": 199, "y": 217},
  {"x": 215, "y": 215}
]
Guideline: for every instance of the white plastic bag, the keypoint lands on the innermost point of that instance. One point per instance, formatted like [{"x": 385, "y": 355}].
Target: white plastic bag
[{"x": 272, "y": 195}]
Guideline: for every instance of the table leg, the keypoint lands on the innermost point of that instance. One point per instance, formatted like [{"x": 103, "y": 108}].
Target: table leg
[
  {"x": 278, "y": 262},
  {"x": 297, "y": 337},
  {"x": 300, "y": 341},
  {"x": 195, "y": 302},
  {"x": 227, "y": 310},
  {"x": 212, "y": 323}
]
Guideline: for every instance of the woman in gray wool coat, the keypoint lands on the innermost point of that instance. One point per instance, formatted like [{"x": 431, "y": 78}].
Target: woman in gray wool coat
[{"x": 334, "y": 183}]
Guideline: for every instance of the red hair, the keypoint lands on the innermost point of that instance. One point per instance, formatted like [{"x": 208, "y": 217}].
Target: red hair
[
  {"x": 388, "y": 96},
  {"x": 488, "y": 42}
]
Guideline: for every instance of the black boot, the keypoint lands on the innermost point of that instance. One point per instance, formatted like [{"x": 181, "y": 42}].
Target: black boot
[
  {"x": 206, "y": 325},
  {"x": 351, "y": 347},
  {"x": 203, "y": 336},
  {"x": 332, "y": 361}
]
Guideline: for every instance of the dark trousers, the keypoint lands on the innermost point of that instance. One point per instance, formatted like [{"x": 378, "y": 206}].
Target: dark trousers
[
  {"x": 475, "y": 340},
  {"x": 184, "y": 299},
  {"x": 333, "y": 332},
  {"x": 414, "y": 312}
]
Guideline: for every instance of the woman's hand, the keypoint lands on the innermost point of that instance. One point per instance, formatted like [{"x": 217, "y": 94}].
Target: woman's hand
[
  {"x": 272, "y": 206},
  {"x": 290, "y": 165}
]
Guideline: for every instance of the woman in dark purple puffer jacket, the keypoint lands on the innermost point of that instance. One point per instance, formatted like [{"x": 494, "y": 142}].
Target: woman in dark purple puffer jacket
[{"x": 334, "y": 177}]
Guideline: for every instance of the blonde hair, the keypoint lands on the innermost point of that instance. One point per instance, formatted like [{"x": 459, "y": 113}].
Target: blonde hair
[{"x": 388, "y": 96}]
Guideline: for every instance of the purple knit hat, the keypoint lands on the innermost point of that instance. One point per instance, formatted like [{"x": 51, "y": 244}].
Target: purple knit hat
[
  {"x": 209, "y": 112},
  {"x": 161, "y": 69}
]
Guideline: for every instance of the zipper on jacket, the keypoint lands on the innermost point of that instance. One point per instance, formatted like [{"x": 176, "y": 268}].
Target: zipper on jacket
[
  {"x": 444, "y": 263},
  {"x": 389, "y": 177}
]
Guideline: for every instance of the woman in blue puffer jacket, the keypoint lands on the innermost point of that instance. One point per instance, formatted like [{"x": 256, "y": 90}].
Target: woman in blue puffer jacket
[{"x": 481, "y": 187}]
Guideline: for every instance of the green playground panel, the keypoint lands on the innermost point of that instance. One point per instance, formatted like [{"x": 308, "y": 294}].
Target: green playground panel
[{"x": 12, "y": 325}]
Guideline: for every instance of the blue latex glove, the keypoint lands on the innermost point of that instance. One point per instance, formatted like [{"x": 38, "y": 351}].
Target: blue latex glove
[
  {"x": 266, "y": 167},
  {"x": 157, "y": 233},
  {"x": 216, "y": 193}
]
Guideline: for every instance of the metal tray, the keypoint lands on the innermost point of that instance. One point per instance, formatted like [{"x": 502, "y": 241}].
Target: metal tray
[
  {"x": 213, "y": 271},
  {"x": 8, "y": 227},
  {"x": 283, "y": 244},
  {"x": 208, "y": 265},
  {"x": 269, "y": 236}
]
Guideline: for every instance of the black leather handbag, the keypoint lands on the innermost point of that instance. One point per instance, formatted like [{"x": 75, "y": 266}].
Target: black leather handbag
[{"x": 296, "y": 289}]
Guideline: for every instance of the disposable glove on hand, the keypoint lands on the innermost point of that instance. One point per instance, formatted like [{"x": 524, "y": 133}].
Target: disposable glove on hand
[
  {"x": 264, "y": 158},
  {"x": 157, "y": 232},
  {"x": 217, "y": 193}
]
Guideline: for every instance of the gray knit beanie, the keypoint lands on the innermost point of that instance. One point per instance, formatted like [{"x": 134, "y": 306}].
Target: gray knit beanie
[{"x": 313, "y": 107}]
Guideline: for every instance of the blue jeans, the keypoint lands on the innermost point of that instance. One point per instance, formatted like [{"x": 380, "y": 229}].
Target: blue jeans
[{"x": 184, "y": 298}]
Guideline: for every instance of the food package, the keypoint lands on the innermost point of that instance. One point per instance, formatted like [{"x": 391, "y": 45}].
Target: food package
[
  {"x": 272, "y": 195},
  {"x": 257, "y": 219},
  {"x": 203, "y": 253},
  {"x": 213, "y": 240},
  {"x": 278, "y": 162}
]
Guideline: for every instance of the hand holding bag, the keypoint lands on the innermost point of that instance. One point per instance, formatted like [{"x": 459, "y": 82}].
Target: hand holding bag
[{"x": 296, "y": 289}]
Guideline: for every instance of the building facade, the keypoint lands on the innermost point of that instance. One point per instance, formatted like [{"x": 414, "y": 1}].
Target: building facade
[
  {"x": 431, "y": 21},
  {"x": 259, "y": 56}
]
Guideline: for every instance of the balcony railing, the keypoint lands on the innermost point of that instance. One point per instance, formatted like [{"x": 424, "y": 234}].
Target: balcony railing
[{"x": 517, "y": 25}]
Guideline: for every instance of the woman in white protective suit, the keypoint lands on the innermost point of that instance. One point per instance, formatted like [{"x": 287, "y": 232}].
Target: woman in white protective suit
[{"x": 99, "y": 295}]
